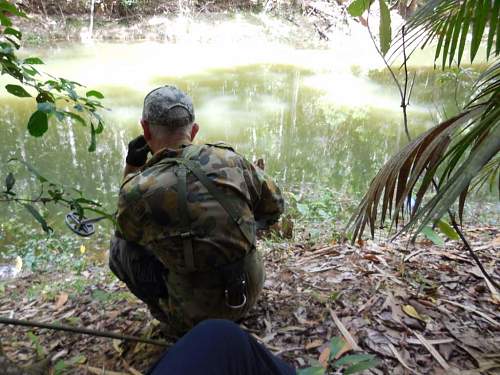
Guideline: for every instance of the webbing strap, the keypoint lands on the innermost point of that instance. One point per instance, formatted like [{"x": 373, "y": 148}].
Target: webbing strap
[
  {"x": 186, "y": 233},
  {"x": 228, "y": 206}
]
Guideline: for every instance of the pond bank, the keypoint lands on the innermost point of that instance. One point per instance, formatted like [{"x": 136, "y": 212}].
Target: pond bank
[{"x": 308, "y": 24}]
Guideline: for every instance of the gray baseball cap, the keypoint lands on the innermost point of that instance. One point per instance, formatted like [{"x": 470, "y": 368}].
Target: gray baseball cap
[{"x": 167, "y": 105}]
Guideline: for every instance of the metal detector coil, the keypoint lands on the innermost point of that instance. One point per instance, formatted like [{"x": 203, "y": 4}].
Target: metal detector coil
[{"x": 79, "y": 225}]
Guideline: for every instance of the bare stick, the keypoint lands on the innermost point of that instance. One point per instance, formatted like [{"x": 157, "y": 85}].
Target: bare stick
[
  {"x": 84, "y": 331},
  {"x": 472, "y": 253},
  {"x": 402, "y": 94}
]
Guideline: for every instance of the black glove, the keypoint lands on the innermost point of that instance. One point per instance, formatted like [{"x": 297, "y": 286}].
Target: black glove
[{"x": 137, "y": 152}]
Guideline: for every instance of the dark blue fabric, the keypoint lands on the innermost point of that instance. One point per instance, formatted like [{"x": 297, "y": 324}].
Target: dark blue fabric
[{"x": 219, "y": 347}]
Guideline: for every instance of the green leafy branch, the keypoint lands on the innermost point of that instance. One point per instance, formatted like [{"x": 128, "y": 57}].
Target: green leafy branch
[
  {"x": 55, "y": 97},
  {"x": 49, "y": 193}
]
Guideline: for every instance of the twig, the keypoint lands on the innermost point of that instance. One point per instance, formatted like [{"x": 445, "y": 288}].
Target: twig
[
  {"x": 472, "y": 253},
  {"x": 473, "y": 310},
  {"x": 401, "y": 360},
  {"x": 432, "y": 350},
  {"x": 84, "y": 331},
  {"x": 405, "y": 99},
  {"x": 350, "y": 340},
  {"x": 414, "y": 254},
  {"x": 403, "y": 94}
]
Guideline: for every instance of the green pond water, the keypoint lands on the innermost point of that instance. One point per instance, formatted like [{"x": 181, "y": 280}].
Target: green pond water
[{"x": 316, "y": 120}]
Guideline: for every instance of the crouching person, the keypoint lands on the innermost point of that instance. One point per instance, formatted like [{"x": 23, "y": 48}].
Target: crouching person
[{"x": 187, "y": 217}]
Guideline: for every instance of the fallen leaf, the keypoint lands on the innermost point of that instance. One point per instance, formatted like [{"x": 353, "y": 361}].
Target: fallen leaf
[
  {"x": 410, "y": 311},
  {"x": 63, "y": 298},
  {"x": 324, "y": 357},
  {"x": 372, "y": 257},
  {"x": 117, "y": 346},
  {"x": 314, "y": 344}
]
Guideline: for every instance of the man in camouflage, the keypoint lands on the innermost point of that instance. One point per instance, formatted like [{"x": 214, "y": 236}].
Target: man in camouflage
[{"x": 187, "y": 218}]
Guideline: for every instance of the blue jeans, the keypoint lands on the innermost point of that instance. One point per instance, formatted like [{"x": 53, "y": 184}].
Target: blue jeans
[{"x": 219, "y": 347}]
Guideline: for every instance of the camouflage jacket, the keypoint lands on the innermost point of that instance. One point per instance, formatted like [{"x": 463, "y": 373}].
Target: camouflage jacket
[{"x": 148, "y": 211}]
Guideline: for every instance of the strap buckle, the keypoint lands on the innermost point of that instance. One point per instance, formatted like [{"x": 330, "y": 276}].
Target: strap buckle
[{"x": 237, "y": 288}]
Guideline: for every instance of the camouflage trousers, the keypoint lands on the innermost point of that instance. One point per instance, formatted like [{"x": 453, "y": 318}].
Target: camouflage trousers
[{"x": 181, "y": 300}]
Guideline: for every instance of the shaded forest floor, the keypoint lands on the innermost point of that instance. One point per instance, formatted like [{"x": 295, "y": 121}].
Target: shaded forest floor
[{"x": 420, "y": 309}]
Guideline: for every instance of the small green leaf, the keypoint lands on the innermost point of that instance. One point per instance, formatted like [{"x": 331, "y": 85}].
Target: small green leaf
[
  {"x": 433, "y": 236},
  {"x": 14, "y": 42},
  {"x": 11, "y": 8},
  {"x": 10, "y": 180},
  {"x": 5, "y": 21},
  {"x": 75, "y": 117},
  {"x": 385, "y": 31},
  {"x": 33, "y": 61},
  {"x": 311, "y": 371},
  {"x": 38, "y": 124},
  {"x": 358, "y": 7},
  {"x": 360, "y": 366},
  {"x": 352, "y": 359},
  {"x": 11, "y": 31},
  {"x": 30, "y": 168},
  {"x": 17, "y": 91},
  {"x": 92, "y": 145},
  {"x": 46, "y": 107},
  {"x": 34, "y": 212},
  {"x": 45, "y": 96},
  {"x": 30, "y": 70},
  {"x": 59, "y": 367},
  {"x": 95, "y": 94},
  {"x": 447, "y": 230},
  {"x": 336, "y": 345},
  {"x": 100, "y": 127}
]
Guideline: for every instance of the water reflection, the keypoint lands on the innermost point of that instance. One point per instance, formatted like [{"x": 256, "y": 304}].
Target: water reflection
[{"x": 273, "y": 111}]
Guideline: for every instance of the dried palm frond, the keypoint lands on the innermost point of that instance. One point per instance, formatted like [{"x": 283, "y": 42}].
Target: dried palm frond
[{"x": 453, "y": 152}]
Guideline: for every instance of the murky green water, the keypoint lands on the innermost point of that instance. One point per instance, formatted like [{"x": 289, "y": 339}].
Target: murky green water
[{"x": 315, "y": 123}]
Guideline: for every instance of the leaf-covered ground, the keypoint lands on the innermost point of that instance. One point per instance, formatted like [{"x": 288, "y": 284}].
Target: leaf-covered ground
[{"x": 420, "y": 309}]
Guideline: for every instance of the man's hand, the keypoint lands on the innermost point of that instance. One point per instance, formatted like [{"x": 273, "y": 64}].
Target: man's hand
[{"x": 138, "y": 150}]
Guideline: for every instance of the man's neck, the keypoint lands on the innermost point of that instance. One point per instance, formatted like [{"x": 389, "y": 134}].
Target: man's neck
[{"x": 172, "y": 143}]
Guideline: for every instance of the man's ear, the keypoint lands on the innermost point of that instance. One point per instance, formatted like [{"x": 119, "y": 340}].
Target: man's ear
[
  {"x": 146, "y": 130},
  {"x": 194, "y": 130}
]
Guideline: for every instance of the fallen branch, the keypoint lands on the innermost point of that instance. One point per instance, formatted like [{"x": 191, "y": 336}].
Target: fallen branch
[
  {"x": 342, "y": 328},
  {"x": 472, "y": 310},
  {"x": 473, "y": 254},
  {"x": 84, "y": 331},
  {"x": 438, "y": 357},
  {"x": 401, "y": 360}
]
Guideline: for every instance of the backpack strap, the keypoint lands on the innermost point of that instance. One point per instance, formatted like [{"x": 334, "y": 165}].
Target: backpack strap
[
  {"x": 184, "y": 166},
  {"x": 221, "y": 145},
  {"x": 226, "y": 203},
  {"x": 185, "y": 232}
]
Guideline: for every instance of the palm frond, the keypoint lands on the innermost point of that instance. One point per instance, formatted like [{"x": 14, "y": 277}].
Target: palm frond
[
  {"x": 449, "y": 22},
  {"x": 453, "y": 153}
]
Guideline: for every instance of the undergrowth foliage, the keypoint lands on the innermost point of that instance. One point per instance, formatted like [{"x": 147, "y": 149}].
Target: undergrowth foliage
[{"x": 60, "y": 99}]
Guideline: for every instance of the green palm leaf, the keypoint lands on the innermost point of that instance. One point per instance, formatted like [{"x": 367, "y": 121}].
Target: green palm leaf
[{"x": 449, "y": 22}]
